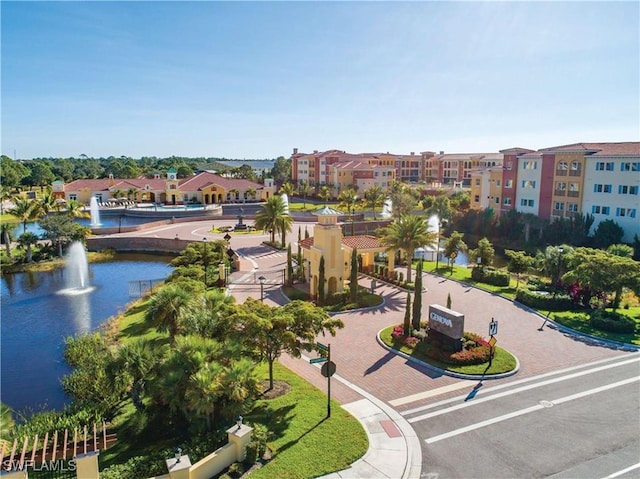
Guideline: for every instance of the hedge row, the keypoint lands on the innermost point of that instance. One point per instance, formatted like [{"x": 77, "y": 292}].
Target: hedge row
[
  {"x": 490, "y": 276},
  {"x": 543, "y": 300}
]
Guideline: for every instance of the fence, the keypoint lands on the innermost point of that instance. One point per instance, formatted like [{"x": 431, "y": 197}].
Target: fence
[{"x": 139, "y": 288}]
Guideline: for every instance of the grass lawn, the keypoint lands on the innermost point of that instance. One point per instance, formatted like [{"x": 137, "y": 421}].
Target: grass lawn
[
  {"x": 579, "y": 322},
  {"x": 503, "y": 360},
  {"x": 304, "y": 443}
]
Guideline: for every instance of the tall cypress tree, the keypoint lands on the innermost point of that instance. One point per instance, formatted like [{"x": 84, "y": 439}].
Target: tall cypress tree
[
  {"x": 353, "y": 278},
  {"x": 321, "y": 281},
  {"x": 407, "y": 316},
  {"x": 289, "y": 266},
  {"x": 417, "y": 303}
]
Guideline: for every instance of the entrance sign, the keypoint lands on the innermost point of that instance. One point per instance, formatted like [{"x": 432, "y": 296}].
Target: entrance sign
[
  {"x": 318, "y": 360},
  {"x": 446, "y": 321}
]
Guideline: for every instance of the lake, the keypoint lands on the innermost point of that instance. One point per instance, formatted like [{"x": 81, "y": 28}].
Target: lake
[{"x": 36, "y": 319}]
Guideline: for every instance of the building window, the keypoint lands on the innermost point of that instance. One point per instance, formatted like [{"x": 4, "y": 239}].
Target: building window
[
  {"x": 572, "y": 207},
  {"x": 623, "y": 189},
  {"x": 74, "y": 197},
  {"x": 563, "y": 165},
  {"x": 476, "y": 198},
  {"x": 524, "y": 202},
  {"x": 508, "y": 183},
  {"x": 633, "y": 190},
  {"x": 477, "y": 181},
  {"x": 529, "y": 165},
  {"x": 598, "y": 188},
  {"x": 507, "y": 201},
  {"x": 574, "y": 187},
  {"x": 497, "y": 200},
  {"x": 561, "y": 186},
  {"x": 558, "y": 206},
  {"x": 497, "y": 182},
  {"x": 629, "y": 212},
  {"x": 602, "y": 166},
  {"x": 528, "y": 183},
  {"x": 575, "y": 166}
]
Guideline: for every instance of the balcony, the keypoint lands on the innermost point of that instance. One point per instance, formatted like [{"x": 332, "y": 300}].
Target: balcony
[
  {"x": 573, "y": 194},
  {"x": 561, "y": 172},
  {"x": 575, "y": 173},
  {"x": 560, "y": 192}
]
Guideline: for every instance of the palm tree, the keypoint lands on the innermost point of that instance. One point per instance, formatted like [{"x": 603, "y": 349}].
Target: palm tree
[
  {"x": 273, "y": 218},
  {"x": 407, "y": 233},
  {"x": 75, "y": 210},
  {"x": 5, "y": 194},
  {"x": 25, "y": 210},
  {"x": 374, "y": 198},
  {"x": 27, "y": 240},
  {"x": 287, "y": 189},
  {"x": 167, "y": 307},
  {"x": 132, "y": 194},
  {"x": 325, "y": 193},
  {"x": 303, "y": 190},
  {"x": 348, "y": 199},
  {"x": 250, "y": 193},
  {"x": 47, "y": 201},
  {"x": 233, "y": 194},
  {"x": 134, "y": 363},
  {"x": 5, "y": 231},
  {"x": 6, "y": 425}
]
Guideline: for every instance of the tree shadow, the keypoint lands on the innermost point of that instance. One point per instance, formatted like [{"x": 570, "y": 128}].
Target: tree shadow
[
  {"x": 286, "y": 446},
  {"x": 379, "y": 363}
]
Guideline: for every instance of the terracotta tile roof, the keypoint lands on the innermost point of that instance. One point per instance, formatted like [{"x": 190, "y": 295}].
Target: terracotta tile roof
[
  {"x": 362, "y": 242},
  {"x": 206, "y": 178},
  {"x": 307, "y": 243},
  {"x": 599, "y": 149},
  {"x": 102, "y": 184}
]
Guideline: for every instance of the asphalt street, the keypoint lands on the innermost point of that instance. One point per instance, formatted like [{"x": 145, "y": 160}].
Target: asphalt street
[{"x": 579, "y": 422}]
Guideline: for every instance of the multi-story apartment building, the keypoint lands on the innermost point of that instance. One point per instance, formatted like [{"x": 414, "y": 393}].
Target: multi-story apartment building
[
  {"x": 456, "y": 168},
  {"x": 601, "y": 179},
  {"x": 359, "y": 175},
  {"x": 486, "y": 188}
]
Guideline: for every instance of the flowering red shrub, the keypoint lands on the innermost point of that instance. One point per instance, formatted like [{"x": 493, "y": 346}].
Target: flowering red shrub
[{"x": 411, "y": 342}]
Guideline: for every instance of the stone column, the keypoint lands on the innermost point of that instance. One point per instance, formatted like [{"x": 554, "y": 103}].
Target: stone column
[
  {"x": 179, "y": 468},
  {"x": 87, "y": 465},
  {"x": 239, "y": 436}
]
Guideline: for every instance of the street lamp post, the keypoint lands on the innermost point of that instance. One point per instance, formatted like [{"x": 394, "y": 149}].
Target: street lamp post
[{"x": 262, "y": 280}]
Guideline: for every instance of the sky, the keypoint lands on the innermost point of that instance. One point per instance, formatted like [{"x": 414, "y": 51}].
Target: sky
[{"x": 252, "y": 80}]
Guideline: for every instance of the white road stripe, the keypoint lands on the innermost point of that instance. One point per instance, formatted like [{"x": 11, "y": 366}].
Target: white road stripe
[
  {"x": 432, "y": 393},
  {"x": 623, "y": 471},
  {"x": 515, "y": 383},
  {"x": 521, "y": 412},
  {"x": 517, "y": 390}
]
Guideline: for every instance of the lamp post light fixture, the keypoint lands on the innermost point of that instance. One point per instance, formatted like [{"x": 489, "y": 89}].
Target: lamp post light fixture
[
  {"x": 262, "y": 280},
  {"x": 178, "y": 454}
]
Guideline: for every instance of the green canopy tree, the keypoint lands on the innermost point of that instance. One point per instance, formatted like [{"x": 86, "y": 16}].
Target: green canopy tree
[
  {"x": 484, "y": 252},
  {"x": 407, "y": 233},
  {"x": 293, "y": 328},
  {"x": 321, "y": 281},
  {"x": 519, "y": 262},
  {"x": 281, "y": 171},
  {"x": 603, "y": 272},
  {"x": 453, "y": 246}
]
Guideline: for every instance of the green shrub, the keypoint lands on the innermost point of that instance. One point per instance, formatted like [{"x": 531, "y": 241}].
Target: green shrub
[
  {"x": 544, "y": 300},
  {"x": 258, "y": 445},
  {"x": 490, "y": 276},
  {"x": 611, "y": 321}
]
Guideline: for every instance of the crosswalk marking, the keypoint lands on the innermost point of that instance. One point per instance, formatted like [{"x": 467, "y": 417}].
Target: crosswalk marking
[
  {"x": 515, "y": 391},
  {"x": 432, "y": 393},
  {"x": 527, "y": 410}
]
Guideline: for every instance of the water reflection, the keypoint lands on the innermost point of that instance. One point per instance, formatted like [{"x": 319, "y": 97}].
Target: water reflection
[{"x": 80, "y": 309}]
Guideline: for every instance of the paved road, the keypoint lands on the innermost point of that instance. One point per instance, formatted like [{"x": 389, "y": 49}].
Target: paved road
[{"x": 580, "y": 422}]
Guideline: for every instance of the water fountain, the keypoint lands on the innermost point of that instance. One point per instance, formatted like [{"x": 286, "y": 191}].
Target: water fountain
[
  {"x": 387, "y": 209},
  {"x": 285, "y": 201},
  {"x": 95, "y": 212},
  {"x": 76, "y": 271}
]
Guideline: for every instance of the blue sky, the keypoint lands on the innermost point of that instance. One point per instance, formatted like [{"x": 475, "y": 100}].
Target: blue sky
[{"x": 257, "y": 79}]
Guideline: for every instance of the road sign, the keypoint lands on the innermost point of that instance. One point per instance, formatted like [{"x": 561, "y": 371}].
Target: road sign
[
  {"x": 322, "y": 347},
  {"x": 492, "y": 341},
  {"x": 318, "y": 360},
  {"x": 328, "y": 369},
  {"x": 493, "y": 327}
]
